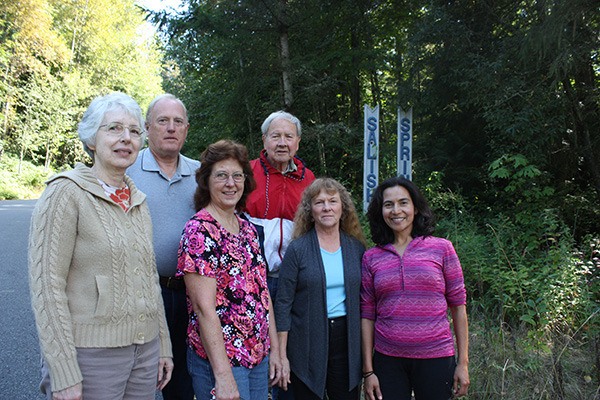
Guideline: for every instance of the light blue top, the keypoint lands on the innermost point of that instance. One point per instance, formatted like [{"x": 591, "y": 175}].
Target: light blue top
[
  {"x": 334, "y": 276},
  {"x": 171, "y": 203}
]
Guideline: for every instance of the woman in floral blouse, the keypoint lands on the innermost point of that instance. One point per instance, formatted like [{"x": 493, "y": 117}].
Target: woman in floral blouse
[{"x": 230, "y": 329}]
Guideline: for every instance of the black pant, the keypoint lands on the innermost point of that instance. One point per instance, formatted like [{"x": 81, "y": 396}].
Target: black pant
[
  {"x": 336, "y": 387},
  {"x": 430, "y": 379},
  {"x": 180, "y": 385}
]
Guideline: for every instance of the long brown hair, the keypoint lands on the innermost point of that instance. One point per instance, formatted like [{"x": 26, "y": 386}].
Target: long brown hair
[{"x": 349, "y": 223}]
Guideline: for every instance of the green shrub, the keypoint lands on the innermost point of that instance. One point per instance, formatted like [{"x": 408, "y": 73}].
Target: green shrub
[
  {"x": 533, "y": 289},
  {"x": 28, "y": 184},
  {"x": 505, "y": 367}
]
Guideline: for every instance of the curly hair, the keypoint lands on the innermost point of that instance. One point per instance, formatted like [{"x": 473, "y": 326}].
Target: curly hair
[
  {"x": 219, "y": 151},
  {"x": 349, "y": 223},
  {"x": 424, "y": 221}
]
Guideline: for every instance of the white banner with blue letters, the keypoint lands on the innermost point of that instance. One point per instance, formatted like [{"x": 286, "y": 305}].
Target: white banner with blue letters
[
  {"x": 371, "y": 154},
  {"x": 405, "y": 135}
]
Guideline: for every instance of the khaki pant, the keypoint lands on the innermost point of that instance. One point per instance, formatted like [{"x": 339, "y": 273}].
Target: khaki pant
[{"x": 120, "y": 373}]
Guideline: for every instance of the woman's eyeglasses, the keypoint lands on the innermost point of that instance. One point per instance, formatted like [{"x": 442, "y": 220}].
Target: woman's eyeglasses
[
  {"x": 117, "y": 129},
  {"x": 238, "y": 177}
]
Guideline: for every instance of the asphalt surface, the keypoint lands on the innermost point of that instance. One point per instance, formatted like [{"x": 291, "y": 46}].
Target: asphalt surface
[{"x": 19, "y": 349}]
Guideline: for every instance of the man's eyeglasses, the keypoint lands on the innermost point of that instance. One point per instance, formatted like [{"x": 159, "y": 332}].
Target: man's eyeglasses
[
  {"x": 238, "y": 177},
  {"x": 117, "y": 129}
]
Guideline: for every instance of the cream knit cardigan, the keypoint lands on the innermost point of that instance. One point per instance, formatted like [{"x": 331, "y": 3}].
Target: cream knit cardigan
[{"x": 92, "y": 273}]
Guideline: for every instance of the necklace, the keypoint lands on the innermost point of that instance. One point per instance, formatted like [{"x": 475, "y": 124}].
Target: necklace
[{"x": 228, "y": 222}]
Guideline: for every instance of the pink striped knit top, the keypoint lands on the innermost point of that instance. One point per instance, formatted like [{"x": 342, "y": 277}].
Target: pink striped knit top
[{"x": 408, "y": 297}]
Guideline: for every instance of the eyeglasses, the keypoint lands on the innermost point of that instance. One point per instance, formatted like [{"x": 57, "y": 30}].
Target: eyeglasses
[
  {"x": 238, "y": 177},
  {"x": 117, "y": 129}
]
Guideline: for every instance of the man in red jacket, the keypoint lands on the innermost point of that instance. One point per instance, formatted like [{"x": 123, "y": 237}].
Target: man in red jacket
[
  {"x": 281, "y": 177},
  {"x": 280, "y": 180}
]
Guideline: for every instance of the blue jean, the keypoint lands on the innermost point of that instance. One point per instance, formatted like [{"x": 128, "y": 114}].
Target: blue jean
[
  {"x": 252, "y": 383},
  {"x": 273, "y": 284}
]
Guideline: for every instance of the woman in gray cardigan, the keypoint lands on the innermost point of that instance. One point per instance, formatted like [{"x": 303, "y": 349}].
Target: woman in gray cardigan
[{"x": 317, "y": 308}]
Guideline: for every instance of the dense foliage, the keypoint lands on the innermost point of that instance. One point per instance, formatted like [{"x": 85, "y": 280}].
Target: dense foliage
[
  {"x": 508, "y": 79},
  {"x": 55, "y": 56},
  {"x": 506, "y": 106}
]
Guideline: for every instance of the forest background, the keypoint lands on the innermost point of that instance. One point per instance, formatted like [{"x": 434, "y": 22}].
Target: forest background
[{"x": 506, "y": 132}]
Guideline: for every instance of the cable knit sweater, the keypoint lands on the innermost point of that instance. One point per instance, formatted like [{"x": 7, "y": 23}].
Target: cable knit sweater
[{"x": 92, "y": 273}]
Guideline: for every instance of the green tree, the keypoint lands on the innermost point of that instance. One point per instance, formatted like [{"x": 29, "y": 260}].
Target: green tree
[
  {"x": 58, "y": 54},
  {"x": 505, "y": 79},
  {"x": 29, "y": 48},
  {"x": 111, "y": 45},
  {"x": 239, "y": 61}
]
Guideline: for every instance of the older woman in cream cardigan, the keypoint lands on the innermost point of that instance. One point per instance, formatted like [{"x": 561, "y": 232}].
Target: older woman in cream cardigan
[{"x": 93, "y": 279}]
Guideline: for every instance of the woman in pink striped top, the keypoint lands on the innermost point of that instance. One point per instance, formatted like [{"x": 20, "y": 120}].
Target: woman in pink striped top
[{"x": 409, "y": 281}]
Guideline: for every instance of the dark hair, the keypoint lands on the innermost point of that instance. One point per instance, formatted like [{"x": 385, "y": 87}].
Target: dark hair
[
  {"x": 423, "y": 224},
  {"x": 219, "y": 151}
]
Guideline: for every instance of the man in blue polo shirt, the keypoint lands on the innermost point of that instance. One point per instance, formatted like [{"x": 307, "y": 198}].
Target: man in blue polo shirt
[{"x": 168, "y": 179}]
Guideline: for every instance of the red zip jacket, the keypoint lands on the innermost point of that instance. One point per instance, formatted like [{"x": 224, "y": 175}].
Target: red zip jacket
[{"x": 273, "y": 204}]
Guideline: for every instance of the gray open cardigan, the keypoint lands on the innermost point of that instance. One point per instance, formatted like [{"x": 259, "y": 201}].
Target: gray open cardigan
[{"x": 301, "y": 309}]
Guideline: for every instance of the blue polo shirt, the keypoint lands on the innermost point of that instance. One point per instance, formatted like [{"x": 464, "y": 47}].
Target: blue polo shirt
[{"x": 171, "y": 203}]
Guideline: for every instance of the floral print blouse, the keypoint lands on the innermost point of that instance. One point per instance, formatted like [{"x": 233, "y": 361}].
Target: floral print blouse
[{"x": 242, "y": 302}]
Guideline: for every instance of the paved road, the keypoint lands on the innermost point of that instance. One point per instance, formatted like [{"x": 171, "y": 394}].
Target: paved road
[{"x": 19, "y": 350}]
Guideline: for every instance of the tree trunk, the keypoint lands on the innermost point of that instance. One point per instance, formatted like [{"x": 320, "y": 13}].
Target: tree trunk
[
  {"x": 78, "y": 23},
  {"x": 583, "y": 114},
  {"x": 596, "y": 341},
  {"x": 4, "y": 132},
  {"x": 376, "y": 90},
  {"x": 558, "y": 385},
  {"x": 321, "y": 149},
  {"x": 47, "y": 160},
  {"x": 288, "y": 95},
  {"x": 21, "y": 156},
  {"x": 251, "y": 134},
  {"x": 355, "y": 108},
  {"x": 284, "y": 56}
]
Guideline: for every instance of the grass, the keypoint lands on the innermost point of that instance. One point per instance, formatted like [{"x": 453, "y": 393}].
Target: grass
[
  {"x": 28, "y": 184},
  {"x": 509, "y": 364}
]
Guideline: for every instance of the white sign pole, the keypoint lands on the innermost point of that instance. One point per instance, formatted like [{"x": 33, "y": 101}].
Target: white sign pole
[
  {"x": 405, "y": 135},
  {"x": 371, "y": 154}
]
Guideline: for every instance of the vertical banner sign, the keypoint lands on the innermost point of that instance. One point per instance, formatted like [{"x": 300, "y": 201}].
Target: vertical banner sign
[
  {"x": 405, "y": 134},
  {"x": 371, "y": 154}
]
